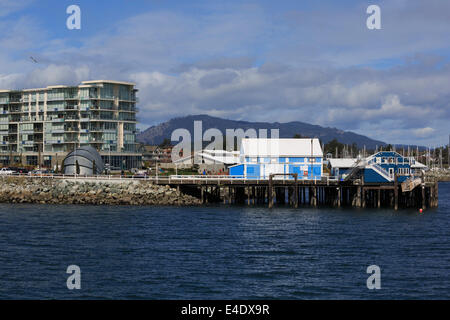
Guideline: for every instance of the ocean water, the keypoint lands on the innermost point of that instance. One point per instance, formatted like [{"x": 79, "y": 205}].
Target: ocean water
[{"x": 224, "y": 252}]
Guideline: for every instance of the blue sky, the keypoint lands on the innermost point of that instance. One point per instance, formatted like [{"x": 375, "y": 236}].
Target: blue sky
[{"x": 311, "y": 61}]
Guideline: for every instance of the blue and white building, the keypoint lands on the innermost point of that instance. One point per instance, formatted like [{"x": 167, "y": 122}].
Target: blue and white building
[
  {"x": 380, "y": 167},
  {"x": 259, "y": 158}
]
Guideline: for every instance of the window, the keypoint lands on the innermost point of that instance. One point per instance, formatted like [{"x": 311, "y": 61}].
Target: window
[
  {"x": 129, "y": 137},
  {"x": 124, "y": 93},
  {"x": 110, "y": 125},
  {"x": 109, "y": 136},
  {"x": 26, "y": 127},
  {"x": 107, "y": 91}
]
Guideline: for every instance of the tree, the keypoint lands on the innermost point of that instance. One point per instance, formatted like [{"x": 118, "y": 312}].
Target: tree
[
  {"x": 166, "y": 143},
  {"x": 332, "y": 146},
  {"x": 299, "y": 136}
]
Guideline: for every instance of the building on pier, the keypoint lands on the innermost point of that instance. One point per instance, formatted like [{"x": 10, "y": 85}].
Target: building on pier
[
  {"x": 211, "y": 157},
  {"x": 340, "y": 167},
  {"x": 381, "y": 167},
  {"x": 259, "y": 158}
]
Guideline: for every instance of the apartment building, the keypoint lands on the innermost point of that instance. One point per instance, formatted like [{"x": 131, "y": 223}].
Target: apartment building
[{"x": 41, "y": 126}]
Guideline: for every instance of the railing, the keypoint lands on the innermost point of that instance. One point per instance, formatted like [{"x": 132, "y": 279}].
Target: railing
[
  {"x": 382, "y": 171},
  {"x": 165, "y": 179},
  {"x": 356, "y": 167}
]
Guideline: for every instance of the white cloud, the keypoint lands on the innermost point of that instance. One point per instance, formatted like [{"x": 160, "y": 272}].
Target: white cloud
[
  {"x": 423, "y": 132},
  {"x": 245, "y": 62},
  {"x": 11, "y": 6}
]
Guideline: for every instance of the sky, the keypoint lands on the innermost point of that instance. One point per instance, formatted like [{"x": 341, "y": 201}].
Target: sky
[{"x": 310, "y": 61}]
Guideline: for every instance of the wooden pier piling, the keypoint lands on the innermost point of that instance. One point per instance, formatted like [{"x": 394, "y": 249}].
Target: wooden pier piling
[{"x": 296, "y": 193}]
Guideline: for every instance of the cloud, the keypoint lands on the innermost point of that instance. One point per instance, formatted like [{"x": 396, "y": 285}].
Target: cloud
[
  {"x": 11, "y": 6},
  {"x": 317, "y": 64},
  {"x": 331, "y": 97},
  {"x": 424, "y": 132}
]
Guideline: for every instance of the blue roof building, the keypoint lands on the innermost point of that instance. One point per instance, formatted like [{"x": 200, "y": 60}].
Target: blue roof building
[{"x": 380, "y": 167}]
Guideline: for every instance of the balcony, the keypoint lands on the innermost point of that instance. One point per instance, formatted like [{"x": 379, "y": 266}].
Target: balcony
[
  {"x": 72, "y": 119},
  {"x": 71, "y": 97},
  {"x": 55, "y": 141},
  {"x": 72, "y": 108}
]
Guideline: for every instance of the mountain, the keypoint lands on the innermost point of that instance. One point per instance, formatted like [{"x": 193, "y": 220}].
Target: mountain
[{"x": 156, "y": 134}]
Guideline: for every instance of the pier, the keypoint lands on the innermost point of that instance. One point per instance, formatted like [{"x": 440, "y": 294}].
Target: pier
[
  {"x": 287, "y": 189},
  {"x": 281, "y": 189}
]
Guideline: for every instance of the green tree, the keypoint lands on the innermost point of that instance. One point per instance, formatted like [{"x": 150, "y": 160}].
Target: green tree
[
  {"x": 332, "y": 145},
  {"x": 166, "y": 143}
]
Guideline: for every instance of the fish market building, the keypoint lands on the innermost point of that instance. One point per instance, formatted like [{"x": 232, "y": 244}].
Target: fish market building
[{"x": 259, "y": 158}]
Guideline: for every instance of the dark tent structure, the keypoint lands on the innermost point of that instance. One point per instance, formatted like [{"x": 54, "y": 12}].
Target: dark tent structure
[{"x": 83, "y": 161}]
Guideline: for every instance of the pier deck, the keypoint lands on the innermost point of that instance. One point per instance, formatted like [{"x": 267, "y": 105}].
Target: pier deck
[{"x": 287, "y": 189}]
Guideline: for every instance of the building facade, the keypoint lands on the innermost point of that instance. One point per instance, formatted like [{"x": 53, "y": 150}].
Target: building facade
[
  {"x": 259, "y": 158},
  {"x": 381, "y": 167},
  {"x": 41, "y": 126}
]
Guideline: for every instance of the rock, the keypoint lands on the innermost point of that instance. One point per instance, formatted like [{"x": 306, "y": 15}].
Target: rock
[{"x": 42, "y": 190}]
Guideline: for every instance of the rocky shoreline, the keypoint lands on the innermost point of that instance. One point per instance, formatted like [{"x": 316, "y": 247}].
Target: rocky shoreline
[{"x": 58, "y": 191}]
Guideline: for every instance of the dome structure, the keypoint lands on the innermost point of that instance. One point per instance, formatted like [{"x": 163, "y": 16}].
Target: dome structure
[{"x": 84, "y": 161}]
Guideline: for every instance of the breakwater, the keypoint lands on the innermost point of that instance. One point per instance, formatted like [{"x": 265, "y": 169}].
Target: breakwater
[{"x": 60, "y": 191}]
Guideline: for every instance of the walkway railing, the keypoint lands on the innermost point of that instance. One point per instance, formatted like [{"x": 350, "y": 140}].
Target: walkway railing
[
  {"x": 382, "y": 171},
  {"x": 167, "y": 179}
]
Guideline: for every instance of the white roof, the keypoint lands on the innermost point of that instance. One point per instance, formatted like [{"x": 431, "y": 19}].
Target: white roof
[
  {"x": 108, "y": 81},
  {"x": 342, "y": 163},
  {"x": 418, "y": 165},
  {"x": 254, "y": 147}
]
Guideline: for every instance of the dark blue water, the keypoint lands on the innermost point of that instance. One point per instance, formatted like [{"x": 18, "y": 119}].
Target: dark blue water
[{"x": 224, "y": 252}]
